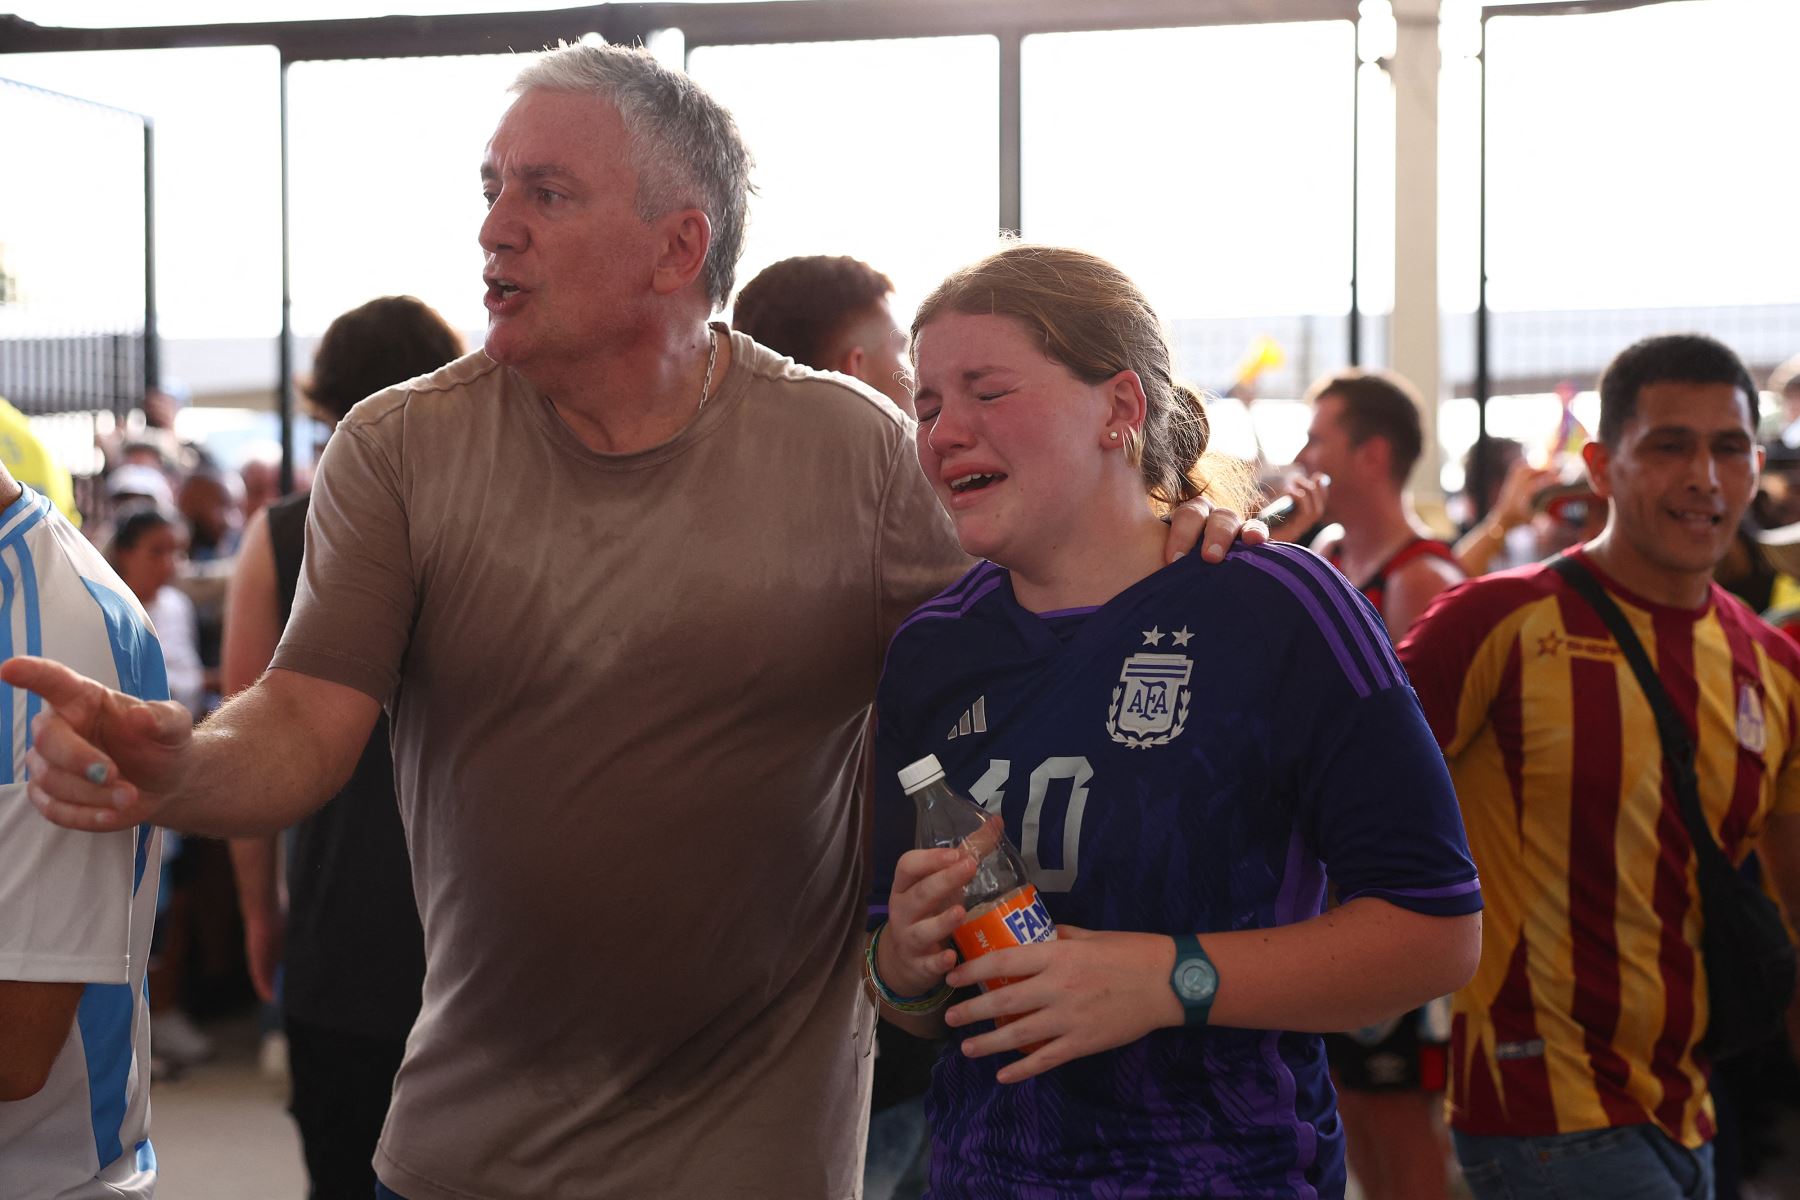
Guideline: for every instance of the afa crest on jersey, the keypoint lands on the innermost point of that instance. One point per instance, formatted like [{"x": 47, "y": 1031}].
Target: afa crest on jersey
[{"x": 1150, "y": 704}]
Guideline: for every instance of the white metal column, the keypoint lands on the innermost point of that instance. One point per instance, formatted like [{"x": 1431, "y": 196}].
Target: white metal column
[{"x": 1413, "y": 330}]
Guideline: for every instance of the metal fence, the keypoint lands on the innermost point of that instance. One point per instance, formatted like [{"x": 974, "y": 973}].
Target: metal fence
[
  {"x": 1596, "y": 230},
  {"x": 77, "y": 319}
]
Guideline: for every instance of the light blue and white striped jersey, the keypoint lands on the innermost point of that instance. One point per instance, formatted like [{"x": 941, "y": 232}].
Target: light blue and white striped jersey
[{"x": 75, "y": 907}]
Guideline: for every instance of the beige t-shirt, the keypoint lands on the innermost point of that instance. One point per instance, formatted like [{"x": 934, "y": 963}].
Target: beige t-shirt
[{"x": 629, "y": 695}]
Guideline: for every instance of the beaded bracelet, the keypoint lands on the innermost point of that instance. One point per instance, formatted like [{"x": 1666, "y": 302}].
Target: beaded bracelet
[{"x": 916, "y": 1006}]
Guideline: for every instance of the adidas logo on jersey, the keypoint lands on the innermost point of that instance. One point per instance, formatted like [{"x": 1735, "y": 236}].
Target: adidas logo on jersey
[{"x": 973, "y": 720}]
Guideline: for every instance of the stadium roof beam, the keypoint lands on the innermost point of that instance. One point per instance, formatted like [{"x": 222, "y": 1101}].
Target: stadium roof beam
[
  {"x": 701, "y": 24},
  {"x": 1563, "y": 8}
]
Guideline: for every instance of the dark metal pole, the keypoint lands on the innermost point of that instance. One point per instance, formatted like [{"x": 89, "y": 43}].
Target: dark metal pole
[
  {"x": 1011, "y": 132},
  {"x": 1355, "y": 194},
  {"x": 1478, "y": 477},
  {"x": 152, "y": 350},
  {"x": 285, "y": 350}
]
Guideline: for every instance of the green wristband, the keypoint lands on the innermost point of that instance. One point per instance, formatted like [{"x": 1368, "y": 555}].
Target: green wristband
[{"x": 916, "y": 1006}]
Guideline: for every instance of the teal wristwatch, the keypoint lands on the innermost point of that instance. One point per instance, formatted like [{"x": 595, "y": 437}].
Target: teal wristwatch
[{"x": 1194, "y": 979}]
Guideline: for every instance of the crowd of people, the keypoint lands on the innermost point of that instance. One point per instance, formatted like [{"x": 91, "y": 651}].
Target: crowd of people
[{"x": 580, "y": 683}]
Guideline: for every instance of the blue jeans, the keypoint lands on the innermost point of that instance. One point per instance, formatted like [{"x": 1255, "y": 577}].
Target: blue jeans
[
  {"x": 1630, "y": 1162},
  {"x": 899, "y": 1152}
]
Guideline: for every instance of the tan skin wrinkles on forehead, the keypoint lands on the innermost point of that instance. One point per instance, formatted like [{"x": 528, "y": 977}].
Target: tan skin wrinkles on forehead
[{"x": 533, "y": 173}]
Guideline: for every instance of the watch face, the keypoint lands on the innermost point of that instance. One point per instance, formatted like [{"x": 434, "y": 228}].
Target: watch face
[{"x": 1196, "y": 980}]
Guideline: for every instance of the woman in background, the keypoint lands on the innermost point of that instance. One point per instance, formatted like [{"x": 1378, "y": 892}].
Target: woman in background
[{"x": 147, "y": 548}]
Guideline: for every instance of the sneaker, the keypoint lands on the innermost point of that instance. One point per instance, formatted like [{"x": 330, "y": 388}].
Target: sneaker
[
  {"x": 175, "y": 1037},
  {"x": 272, "y": 1057}
]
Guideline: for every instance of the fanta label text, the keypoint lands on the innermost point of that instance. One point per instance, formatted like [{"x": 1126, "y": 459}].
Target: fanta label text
[
  {"x": 1029, "y": 924},
  {"x": 1018, "y": 918}
]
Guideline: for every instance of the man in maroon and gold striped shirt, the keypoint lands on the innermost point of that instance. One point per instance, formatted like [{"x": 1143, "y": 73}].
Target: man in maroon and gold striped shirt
[{"x": 1573, "y": 1057}]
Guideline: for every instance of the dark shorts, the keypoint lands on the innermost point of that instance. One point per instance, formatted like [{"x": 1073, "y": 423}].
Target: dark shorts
[{"x": 1403, "y": 1058}]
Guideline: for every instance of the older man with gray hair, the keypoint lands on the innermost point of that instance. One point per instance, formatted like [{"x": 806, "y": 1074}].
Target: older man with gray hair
[{"x": 624, "y": 580}]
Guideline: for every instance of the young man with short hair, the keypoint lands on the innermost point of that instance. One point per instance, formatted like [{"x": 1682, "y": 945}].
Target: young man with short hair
[
  {"x": 1366, "y": 436},
  {"x": 831, "y": 313}
]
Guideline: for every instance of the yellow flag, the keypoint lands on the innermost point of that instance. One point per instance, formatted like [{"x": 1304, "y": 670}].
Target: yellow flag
[
  {"x": 1265, "y": 354},
  {"x": 33, "y": 465}
]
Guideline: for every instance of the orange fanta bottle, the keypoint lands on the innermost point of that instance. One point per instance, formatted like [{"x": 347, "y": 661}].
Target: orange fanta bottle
[{"x": 1003, "y": 904}]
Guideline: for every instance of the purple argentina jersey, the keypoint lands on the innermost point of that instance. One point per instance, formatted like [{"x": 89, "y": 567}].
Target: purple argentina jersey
[{"x": 1202, "y": 753}]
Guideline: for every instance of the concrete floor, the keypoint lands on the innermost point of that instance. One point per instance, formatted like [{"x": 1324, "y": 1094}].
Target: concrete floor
[
  {"x": 222, "y": 1132},
  {"x": 221, "y": 1129}
]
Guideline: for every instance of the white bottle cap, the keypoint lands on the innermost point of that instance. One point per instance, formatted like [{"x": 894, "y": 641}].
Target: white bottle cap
[{"x": 917, "y": 775}]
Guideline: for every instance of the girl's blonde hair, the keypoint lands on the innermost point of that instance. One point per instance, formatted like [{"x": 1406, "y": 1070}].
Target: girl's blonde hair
[{"x": 1095, "y": 322}]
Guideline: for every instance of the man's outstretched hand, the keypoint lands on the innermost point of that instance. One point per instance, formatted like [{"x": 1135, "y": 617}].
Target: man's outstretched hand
[{"x": 100, "y": 760}]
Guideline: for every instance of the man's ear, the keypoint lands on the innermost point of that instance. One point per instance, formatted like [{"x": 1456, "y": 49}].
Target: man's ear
[
  {"x": 1376, "y": 454},
  {"x": 683, "y": 236},
  {"x": 1598, "y": 458},
  {"x": 850, "y": 363}
]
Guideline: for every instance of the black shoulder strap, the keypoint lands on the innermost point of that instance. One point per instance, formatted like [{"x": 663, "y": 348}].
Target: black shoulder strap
[{"x": 1678, "y": 747}]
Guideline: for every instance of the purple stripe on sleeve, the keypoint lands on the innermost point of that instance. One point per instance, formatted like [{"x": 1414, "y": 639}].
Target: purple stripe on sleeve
[
  {"x": 969, "y": 601},
  {"x": 1438, "y": 893},
  {"x": 1384, "y": 642},
  {"x": 1352, "y": 670},
  {"x": 1361, "y": 624}
]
